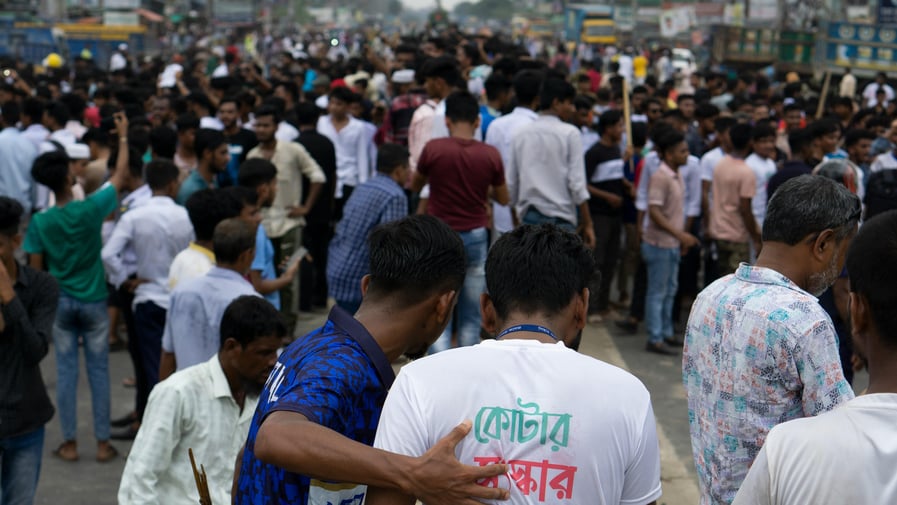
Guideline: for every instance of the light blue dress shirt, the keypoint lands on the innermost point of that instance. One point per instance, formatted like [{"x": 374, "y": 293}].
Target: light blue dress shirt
[
  {"x": 193, "y": 324},
  {"x": 16, "y": 157}
]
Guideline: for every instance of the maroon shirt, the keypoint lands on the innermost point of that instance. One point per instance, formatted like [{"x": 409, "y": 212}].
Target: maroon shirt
[{"x": 460, "y": 172}]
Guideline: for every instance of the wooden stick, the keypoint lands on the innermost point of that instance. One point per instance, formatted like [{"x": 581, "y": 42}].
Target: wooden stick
[
  {"x": 824, "y": 96},
  {"x": 202, "y": 481},
  {"x": 627, "y": 113}
]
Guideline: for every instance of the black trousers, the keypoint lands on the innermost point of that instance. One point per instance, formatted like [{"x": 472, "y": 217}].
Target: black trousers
[
  {"x": 150, "y": 321},
  {"x": 607, "y": 253},
  {"x": 123, "y": 300},
  {"x": 313, "y": 276}
]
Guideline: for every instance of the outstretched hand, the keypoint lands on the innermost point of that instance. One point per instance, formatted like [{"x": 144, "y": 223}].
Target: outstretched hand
[{"x": 440, "y": 479}]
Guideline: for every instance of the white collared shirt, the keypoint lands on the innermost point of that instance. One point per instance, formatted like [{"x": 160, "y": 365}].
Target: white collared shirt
[
  {"x": 499, "y": 135},
  {"x": 352, "y": 145},
  {"x": 194, "y": 409},
  {"x": 158, "y": 230}
]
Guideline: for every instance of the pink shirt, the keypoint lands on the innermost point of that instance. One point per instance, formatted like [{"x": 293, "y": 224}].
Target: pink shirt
[
  {"x": 733, "y": 180},
  {"x": 667, "y": 191}
]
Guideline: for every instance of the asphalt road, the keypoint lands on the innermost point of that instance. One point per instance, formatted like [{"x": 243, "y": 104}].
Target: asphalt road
[{"x": 90, "y": 483}]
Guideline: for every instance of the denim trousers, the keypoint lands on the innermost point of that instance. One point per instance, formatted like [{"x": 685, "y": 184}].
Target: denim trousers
[
  {"x": 20, "y": 459},
  {"x": 476, "y": 246},
  {"x": 663, "y": 281},
  {"x": 90, "y": 321},
  {"x": 533, "y": 216}
]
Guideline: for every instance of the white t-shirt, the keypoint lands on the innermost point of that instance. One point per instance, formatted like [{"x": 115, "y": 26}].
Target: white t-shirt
[
  {"x": 191, "y": 263},
  {"x": 844, "y": 456},
  {"x": 709, "y": 162},
  {"x": 763, "y": 168},
  {"x": 529, "y": 409}
]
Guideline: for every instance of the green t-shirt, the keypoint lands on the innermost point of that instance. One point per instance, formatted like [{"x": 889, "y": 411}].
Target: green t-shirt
[
  {"x": 70, "y": 239},
  {"x": 193, "y": 183}
]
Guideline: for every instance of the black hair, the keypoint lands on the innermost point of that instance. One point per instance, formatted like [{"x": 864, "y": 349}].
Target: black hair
[
  {"x": 241, "y": 195},
  {"x": 52, "y": 170},
  {"x": 639, "y": 90},
  {"x": 207, "y": 139},
  {"x": 667, "y": 140},
  {"x": 391, "y": 157},
  {"x": 853, "y": 137},
  {"x": 443, "y": 67},
  {"x": 163, "y": 141},
  {"x": 232, "y": 238},
  {"x": 135, "y": 161},
  {"x": 249, "y": 318},
  {"x": 555, "y": 89},
  {"x": 10, "y": 216},
  {"x": 495, "y": 85},
  {"x": 798, "y": 140},
  {"x": 208, "y": 207},
  {"x": 472, "y": 52},
  {"x": 268, "y": 110},
  {"x": 34, "y": 109},
  {"x": 608, "y": 118},
  {"x": 307, "y": 114},
  {"x": 844, "y": 101},
  {"x": 809, "y": 204},
  {"x": 256, "y": 171},
  {"x": 875, "y": 246},
  {"x": 740, "y": 134},
  {"x": 672, "y": 114},
  {"x": 583, "y": 102},
  {"x": 230, "y": 99},
  {"x": 537, "y": 269},
  {"x": 794, "y": 106},
  {"x": 75, "y": 105},
  {"x": 200, "y": 99},
  {"x": 59, "y": 112},
  {"x": 96, "y": 135},
  {"x": 724, "y": 123},
  {"x": 681, "y": 98},
  {"x": 186, "y": 122},
  {"x": 527, "y": 84},
  {"x": 824, "y": 127},
  {"x": 291, "y": 88},
  {"x": 706, "y": 111},
  {"x": 762, "y": 131},
  {"x": 461, "y": 106},
  {"x": 879, "y": 121},
  {"x": 10, "y": 112},
  {"x": 413, "y": 258},
  {"x": 160, "y": 173}
]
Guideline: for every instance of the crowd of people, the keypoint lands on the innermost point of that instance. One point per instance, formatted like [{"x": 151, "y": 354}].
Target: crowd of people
[{"x": 452, "y": 191}]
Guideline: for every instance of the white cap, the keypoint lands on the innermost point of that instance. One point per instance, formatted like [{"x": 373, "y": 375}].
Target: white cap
[
  {"x": 77, "y": 151},
  {"x": 403, "y": 77},
  {"x": 322, "y": 101},
  {"x": 122, "y": 47}
]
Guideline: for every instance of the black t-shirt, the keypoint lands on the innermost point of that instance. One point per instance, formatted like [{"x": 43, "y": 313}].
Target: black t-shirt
[{"x": 604, "y": 170}]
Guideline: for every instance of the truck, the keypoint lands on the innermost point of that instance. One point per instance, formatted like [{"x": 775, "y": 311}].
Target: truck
[
  {"x": 31, "y": 41},
  {"x": 589, "y": 24}
]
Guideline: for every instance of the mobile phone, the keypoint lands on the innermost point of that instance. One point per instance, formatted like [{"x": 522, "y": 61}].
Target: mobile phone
[{"x": 297, "y": 256}]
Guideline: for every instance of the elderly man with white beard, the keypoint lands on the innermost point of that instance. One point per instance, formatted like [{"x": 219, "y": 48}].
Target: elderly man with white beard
[{"x": 759, "y": 349}]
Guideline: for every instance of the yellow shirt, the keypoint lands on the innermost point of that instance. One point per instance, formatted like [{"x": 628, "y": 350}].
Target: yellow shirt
[{"x": 640, "y": 66}]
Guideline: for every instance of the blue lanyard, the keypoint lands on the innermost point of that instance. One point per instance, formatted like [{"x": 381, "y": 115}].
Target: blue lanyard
[{"x": 535, "y": 328}]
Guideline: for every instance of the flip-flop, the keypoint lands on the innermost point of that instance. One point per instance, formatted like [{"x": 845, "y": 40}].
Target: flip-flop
[
  {"x": 108, "y": 455},
  {"x": 66, "y": 455}
]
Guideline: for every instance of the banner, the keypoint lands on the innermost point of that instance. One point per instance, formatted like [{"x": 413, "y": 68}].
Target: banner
[
  {"x": 887, "y": 12},
  {"x": 861, "y": 46},
  {"x": 676, "y": 21}
]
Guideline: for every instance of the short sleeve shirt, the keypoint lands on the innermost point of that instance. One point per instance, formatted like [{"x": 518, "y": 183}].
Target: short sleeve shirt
[
  {"x": 70, "y": 239},
  {"x": 733, "y": 180},
  {"x": 604, "y": 170},
  {"x": 264, "y": 263},
  {"x": 667, "y": 191},
  {"x": 336, "y": 376},
  {"x": 460, "y": 173}
]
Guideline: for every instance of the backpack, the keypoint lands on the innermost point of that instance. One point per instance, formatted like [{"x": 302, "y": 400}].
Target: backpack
[{"x": 881, "y": 192}]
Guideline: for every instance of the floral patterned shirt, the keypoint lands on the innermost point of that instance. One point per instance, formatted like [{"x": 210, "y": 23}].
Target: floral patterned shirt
[{"x": 759, "y": 351}]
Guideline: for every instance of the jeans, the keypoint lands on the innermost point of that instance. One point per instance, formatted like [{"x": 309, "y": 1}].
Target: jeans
[
  {"x": 476, "y": 246},
  {"x": 663, "y": 280},
  {"x": 20, "y": 459},
  {"x": 90, "y": 321},
  {"x": 149, "y": 319},
  {"x": 533, "y": 216}
]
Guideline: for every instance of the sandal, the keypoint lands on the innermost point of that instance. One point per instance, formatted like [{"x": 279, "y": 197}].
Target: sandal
[
  {"x": 106, "y": 453},
  {"x": 67, "y": 451}
]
